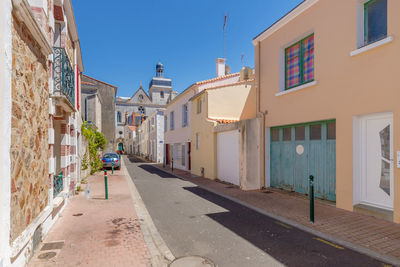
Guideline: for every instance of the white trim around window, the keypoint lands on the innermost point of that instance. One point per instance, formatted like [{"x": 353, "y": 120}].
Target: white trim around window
[
  {"x": 297, "y": 88},
  {"x": 366, "y": 48}
]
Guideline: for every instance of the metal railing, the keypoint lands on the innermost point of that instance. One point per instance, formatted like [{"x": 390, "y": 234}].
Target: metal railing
[
  {"x": 58, "y": 184},
  {"x": 63, "y": 75}
]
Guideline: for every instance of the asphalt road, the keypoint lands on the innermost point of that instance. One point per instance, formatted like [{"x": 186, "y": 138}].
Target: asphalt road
[{"x": 193, "y": 221}]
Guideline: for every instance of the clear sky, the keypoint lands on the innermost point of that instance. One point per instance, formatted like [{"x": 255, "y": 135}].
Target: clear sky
[{"x": 122, "y": 40}]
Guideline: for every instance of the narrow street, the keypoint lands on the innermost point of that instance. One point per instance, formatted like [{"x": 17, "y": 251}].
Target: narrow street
[{"x": 193, "y": 221}]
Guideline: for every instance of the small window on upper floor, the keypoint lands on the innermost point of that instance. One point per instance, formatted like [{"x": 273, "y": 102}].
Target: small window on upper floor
[
  {"x": 299, "y": 63},
  {"x": 198, "y": 105},
  {"x": 171, "y": 121},
  {"x": 184, "y": 115},
  {"x": 162, "y": 94},
  {"x": 375, "y": 21}
]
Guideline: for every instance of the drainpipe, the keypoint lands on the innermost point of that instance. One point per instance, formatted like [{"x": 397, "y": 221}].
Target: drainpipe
[{"x": 260, "y": 114}]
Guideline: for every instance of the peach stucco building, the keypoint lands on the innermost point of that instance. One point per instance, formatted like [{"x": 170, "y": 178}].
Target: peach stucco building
[
  {"x": 327, "y": 88},
  {"x": 178, "y": 124},
  {"x": 214, "y": 106}
]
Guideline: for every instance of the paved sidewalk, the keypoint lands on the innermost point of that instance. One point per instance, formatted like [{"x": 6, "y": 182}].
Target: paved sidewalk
[
  {"x": 364, "y": 233},
  {"x": 98, "y": 232}
]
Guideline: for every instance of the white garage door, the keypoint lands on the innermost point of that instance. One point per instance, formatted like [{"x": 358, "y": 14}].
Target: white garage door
[{"x": 228, "y": 157}]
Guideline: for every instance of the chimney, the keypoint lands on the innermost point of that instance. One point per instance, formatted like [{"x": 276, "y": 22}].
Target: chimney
[{"x": 220, "y": 67}]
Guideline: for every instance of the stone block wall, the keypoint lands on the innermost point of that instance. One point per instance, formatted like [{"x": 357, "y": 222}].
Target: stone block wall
[{"x": 30, "y": 182}]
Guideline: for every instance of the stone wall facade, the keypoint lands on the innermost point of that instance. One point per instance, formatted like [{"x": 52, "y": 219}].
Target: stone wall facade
[
  {"x": 30, "y": 182},
  {"x": 107, "y": 94}
]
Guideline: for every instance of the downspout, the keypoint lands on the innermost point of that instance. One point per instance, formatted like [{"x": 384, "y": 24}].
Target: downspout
[{"x": 260, "y": 114}]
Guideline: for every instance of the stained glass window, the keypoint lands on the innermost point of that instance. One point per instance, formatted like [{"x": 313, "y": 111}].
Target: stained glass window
[{"x": 299, "y": 65}]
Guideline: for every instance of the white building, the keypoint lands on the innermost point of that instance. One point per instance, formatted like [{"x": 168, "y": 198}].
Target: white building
[
  {"x": 130, "y": 136},
  {"x": 149, "y": 141},
  {"x": 143, "y": 104},
  {"x": 177, "y": 118},
  {"x": 156, "y": 136}
]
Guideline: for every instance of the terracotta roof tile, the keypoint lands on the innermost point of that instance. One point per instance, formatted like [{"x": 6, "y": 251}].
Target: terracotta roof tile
[
  {"x": 223, "y": 121},
  {"x": 218, "y": 78},
  {"x": 87, "y": 83}
]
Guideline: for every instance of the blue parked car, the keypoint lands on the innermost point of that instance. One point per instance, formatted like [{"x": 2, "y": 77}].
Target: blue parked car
[{"x": 108, "y": 158}]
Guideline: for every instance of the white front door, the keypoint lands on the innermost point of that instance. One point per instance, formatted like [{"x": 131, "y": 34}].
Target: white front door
[{"x": 377, "y": 160}]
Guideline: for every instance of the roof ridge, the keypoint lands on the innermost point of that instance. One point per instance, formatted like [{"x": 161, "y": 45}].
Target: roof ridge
[{"x": 218, "y": 78}]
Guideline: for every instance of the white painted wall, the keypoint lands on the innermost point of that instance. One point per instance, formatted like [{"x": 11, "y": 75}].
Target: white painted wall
[
  {"x": 5, "y": 127},
  {"x": 228, "y": 157},
  {"x": 179, "y": 134}
]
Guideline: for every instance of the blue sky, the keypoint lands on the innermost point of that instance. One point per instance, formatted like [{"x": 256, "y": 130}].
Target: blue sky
[{"x": 122, "y": 40}]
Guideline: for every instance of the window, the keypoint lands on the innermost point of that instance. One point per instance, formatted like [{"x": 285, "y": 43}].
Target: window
[
  {"x": 331, "y": 131},
  {"x": 198, "y": 105},
  {"x": 375, "y": 21},
  {"x": 171, "y": 121},
  {"x": 197, "y": 140},
  {"x": 275, "y": 135},
  {"x": 165, "y": 123},
  {"x": 300, "y": 133},
  {"x": 118, "y": 116},
  {"x": 183, "y": 155},
  {"x": 141, "y": 110},
  {"x": 287, "y": 134},
  {"x": 184, "y": 115},
  {"x": 315, "y": 132},
  {"x": 86, "y": 109},
  {"x": 299, "y": 63},
  {"x": 162, "y": 94}
]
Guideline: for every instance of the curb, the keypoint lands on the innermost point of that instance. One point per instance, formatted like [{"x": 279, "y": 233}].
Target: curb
[
  {"x": 358, "y": 248},
  {"x": 161, "y": 255}
]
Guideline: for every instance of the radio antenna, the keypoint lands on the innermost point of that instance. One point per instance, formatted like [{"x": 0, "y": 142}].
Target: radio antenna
[{"x": 224, "y": 28}]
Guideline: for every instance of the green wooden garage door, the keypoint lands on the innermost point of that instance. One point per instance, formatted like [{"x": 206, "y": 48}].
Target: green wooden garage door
[{"x": 298, "y": 151}]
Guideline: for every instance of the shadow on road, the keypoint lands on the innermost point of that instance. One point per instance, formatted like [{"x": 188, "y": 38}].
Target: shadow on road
[
  {"x": 288, "y": 245},
  {"x": 135, "y": 159},
  {"x": 154, "y": 170}
]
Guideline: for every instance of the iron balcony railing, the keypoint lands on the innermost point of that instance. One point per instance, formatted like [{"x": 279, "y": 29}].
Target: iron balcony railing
[
  {"x": 58, "y": 184},
  {"x": 63, "y": 74}
]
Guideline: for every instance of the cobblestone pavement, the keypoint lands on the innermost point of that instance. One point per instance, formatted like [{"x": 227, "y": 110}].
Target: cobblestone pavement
[
  {"x": 365, "y": 232},
  {"x": 95, "y": 231}
]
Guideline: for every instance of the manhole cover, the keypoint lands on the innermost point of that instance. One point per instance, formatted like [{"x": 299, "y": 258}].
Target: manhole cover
[
  {"x": 192, "y": 261},
  {"x": 47, "y": 255},
  {"x": 53, "y": 245},
  {"x": 77, "y": 214}
]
